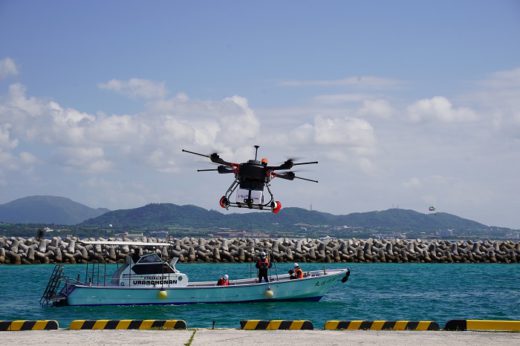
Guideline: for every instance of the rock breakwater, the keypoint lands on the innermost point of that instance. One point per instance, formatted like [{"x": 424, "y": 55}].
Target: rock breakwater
[{"x": 17, "y": 250}]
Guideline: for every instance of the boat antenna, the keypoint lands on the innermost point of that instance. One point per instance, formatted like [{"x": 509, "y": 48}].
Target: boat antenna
[{"x": 256, "y": 151}]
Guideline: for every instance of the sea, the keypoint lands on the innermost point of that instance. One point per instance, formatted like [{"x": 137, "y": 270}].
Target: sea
[{"x": 375, "y": 291}]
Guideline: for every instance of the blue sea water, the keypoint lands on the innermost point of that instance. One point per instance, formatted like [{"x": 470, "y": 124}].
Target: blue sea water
[{"x": 388, "y": 291}]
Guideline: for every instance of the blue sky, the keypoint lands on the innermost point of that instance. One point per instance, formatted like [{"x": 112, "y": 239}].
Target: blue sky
[{"x": 405, "y": 103}]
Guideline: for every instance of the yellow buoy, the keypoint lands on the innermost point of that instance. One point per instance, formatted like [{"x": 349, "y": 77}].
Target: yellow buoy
[
  {"x": 162, "y": 294},
  {"x": 269, "y": 293}
]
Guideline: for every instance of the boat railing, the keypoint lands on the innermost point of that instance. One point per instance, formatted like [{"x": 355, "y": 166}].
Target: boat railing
[
  {"x": 272, "y": 278},
  {"x": 97, "y": 274}
]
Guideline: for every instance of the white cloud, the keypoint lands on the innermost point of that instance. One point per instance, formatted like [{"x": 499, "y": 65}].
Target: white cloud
[
  {"x": 121, "y": 129},
  {"x": 498, "y": 97},
  {"x": 136, "y": 88},
  {"x": 85, "y": 159},
  {"x": 302, "y": 134},
  {"x": 413, "y": 183},
  {"x": 503, "y": 79},
  {"x": 132, "y": 157},
  {"x": 378, "y": 108},
  {"x": 7, "y": 68},
  {"x": 28, "y": 158},
  {"x": 351, "y": 133},
  {"x": 18, "y": 105},
  {"x": 162, "y": 161},
  {"x": 239, "y": 122},
  {"x": 356, "y": 81},
  {"x": 439, "y": 108},
  {"x": 332, "y": 99},
  {"x": 6, "y": 141},
  {"x": 95, "y": 143}
]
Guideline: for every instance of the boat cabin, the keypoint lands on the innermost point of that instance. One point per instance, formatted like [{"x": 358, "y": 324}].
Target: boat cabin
[{"x": 149, "y": 271}]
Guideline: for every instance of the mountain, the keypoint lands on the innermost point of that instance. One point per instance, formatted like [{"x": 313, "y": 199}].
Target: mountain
[
  {"x": 190, "y": 220},
  {"x": 407, "y": 220},
  {"x": 165, "y": 215},
  {"x": 47, "y": 210},
  {"x": 158, "y": 215}
]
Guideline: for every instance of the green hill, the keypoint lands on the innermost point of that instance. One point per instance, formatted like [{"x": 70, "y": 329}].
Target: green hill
[
  {"x": 192, "y": 220},
  {"x": 292, "y": 220},
  {"x": 47, "y": 210}
]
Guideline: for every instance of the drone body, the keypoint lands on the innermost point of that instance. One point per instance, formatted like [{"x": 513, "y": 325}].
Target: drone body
[{"x": 251, "y": 178}]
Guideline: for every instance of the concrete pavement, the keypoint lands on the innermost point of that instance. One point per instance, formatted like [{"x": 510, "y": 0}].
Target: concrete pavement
[{"x": 230, "y": 337}]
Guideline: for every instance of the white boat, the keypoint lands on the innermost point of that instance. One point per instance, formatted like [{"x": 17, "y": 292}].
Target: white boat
[{"x": 149, "y": 280}]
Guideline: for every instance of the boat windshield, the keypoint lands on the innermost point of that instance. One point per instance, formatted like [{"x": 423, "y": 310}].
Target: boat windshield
[
  {"x": 151, "y": 264},
  {"x": 151, "y": 258}
]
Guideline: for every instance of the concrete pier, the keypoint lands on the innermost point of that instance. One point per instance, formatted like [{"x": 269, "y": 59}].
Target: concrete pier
[{"x": 231, "y": 337}]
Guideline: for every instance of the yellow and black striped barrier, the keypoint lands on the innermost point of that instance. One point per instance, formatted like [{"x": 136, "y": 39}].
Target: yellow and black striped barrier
[
  {"x": 484, "y": 325},
  {"x": 127, "y": 324},
  {"x": 7, "y": 326},
  {"x": 276, "y": 325},
  {"x": 381, "y": 325}
]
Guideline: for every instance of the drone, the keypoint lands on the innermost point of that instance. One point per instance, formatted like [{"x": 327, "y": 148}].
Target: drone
[{"x": 251, "y": 178}]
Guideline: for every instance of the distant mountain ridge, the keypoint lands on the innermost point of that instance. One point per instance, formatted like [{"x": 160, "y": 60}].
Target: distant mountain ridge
[
  {"x": 166, "y": 214},
  {"x": 194, "y": 220},
  {"x": 47, "y": 210}
]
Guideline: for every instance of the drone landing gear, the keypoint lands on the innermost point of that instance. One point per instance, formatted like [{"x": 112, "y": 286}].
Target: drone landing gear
[
  {"x": 224, "y": 202},
  {"x": 276, "y": 207}
]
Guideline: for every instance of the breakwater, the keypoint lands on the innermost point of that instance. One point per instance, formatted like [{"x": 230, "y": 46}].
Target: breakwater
[{"x": 17, "y": 250}]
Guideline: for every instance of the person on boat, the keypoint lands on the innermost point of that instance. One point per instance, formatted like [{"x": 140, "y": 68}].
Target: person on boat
[
  {"x": 263, "y": 264},
  {"x": 297, "y": 273},
  {"x": 135, "y": 256},
  {"x": 223, "y": 281},
  {"x": 291, "y": 274}
]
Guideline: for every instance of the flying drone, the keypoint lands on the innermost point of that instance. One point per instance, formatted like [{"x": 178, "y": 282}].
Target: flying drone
[{"x": 251, "y": 178}]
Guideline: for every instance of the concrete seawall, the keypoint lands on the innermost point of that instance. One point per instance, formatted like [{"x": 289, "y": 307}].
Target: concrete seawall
[{"x": 17, "y": 250}]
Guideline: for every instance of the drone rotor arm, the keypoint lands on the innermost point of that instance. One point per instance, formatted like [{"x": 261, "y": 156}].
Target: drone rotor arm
[
  {"x": 306, "y": 179},
  {"x": 291, "y": 176},
  {"x": 215, "y": 158},
  {"x": 194, "y": 153},
  {"x": 306, "y": 163},
  {"x": 284, "y": 166},
  {"x": 225, "y": 169},
  {"x": 289, "y": 164},
  {"x": 284, "y": 175}
]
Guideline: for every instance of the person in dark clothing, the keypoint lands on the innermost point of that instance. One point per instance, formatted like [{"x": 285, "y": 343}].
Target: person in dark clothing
[
  {"x": 40, "y": 234},
  {"x": 263, "y": 264}
]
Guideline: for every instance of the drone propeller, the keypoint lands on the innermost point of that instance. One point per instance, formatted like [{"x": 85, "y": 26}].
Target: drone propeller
[
  {"x": 305, "y": 163},
  {"x": 215, "y": 158},
  {"x": 291, "y": 176},
  {"x": 221, "y": 169},
  {"x": 289, "y": 163}
]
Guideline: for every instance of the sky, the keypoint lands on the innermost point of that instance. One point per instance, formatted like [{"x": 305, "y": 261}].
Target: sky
[{"x": 405, "y": 104}]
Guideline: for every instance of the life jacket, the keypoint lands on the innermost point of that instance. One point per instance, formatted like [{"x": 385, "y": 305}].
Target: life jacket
[
  {"x": 298, "y": 273},
  {"x": 222, "y": 282},
  {"x": 262, "y": 263}
]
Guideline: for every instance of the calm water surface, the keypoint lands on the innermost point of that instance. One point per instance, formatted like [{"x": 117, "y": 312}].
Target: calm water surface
[{"x": 436, "y": 292}]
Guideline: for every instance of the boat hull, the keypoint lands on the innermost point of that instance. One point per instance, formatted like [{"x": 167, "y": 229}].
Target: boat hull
[{"x": 310, "y": 288}]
